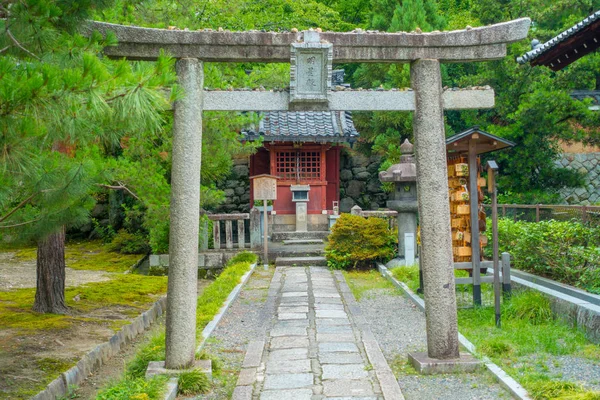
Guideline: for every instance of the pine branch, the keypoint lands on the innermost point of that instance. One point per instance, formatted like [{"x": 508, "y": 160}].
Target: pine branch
[
  {"x": 20, "y": 205},
  {"x": 16, "y": 42},
  {"x": 120, "y": 187}
]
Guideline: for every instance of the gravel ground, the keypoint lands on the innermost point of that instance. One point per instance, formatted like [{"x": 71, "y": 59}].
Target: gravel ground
[
  {"x": 247, "y": 319},
  {"x": 565, "y": 368},
  {"x": 400, "y": 328}
]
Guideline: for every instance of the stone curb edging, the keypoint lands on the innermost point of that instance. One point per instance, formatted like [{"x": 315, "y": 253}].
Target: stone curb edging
[
  {"x": 210, "y": 327},
  {"x": 513, "y": 387},
  {"x": 102, "y": 353},
  {"x": 387, "y": 381}
]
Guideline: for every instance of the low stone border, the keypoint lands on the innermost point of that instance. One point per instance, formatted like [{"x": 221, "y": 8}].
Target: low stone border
[
  {"x": 210, "y": 327},
  {"x": 102, "y": 353},
  {"x": 513, "y": 387}
]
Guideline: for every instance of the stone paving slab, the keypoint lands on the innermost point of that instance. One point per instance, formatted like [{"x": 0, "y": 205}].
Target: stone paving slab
[{"x": 314, "y": 348}]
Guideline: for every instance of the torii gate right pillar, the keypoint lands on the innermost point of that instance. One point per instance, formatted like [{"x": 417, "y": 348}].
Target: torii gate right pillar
[{"x": 434, "y": 211}]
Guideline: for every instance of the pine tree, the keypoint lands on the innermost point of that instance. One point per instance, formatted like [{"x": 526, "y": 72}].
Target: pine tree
[{"x": 60, "y": 106}]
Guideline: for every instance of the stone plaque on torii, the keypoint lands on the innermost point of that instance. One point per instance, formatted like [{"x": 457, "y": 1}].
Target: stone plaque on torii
[{"x": 425, "y": 52}]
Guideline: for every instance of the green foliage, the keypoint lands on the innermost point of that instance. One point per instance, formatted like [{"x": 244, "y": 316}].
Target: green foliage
[
  {"x": 129, "y": 243},
  {"x": 153, "y": 350},
  {"x": 135, "y": 389},
  {"x": 561, "y": 390},
  {"x": 564, "y": 251},
  {"x": 193, "y": 382},
  {"x": 358, "y": 242},
  {"x": 531, "y": 306},
  {"x": 408, "y": 275}
]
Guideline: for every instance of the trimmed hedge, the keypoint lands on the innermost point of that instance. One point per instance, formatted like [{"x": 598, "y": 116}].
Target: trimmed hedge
[{"x": 357, "y": 242}]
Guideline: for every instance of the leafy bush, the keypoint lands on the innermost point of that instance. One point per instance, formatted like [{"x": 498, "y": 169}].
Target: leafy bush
[
  {"x": 129, "y": 243},
  {"x": 357, "y": 242},
  {"x": 193, "y": 382},
  {"x": 565, "y": 251}
]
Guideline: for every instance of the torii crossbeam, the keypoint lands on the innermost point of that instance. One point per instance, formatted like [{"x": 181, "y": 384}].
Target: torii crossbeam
[{"x": 424, "y": 51}]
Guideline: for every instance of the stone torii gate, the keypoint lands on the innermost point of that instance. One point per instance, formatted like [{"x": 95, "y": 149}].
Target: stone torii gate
[{"x": 311, "y": 90}]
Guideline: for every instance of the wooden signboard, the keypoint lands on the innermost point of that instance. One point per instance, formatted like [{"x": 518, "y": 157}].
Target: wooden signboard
[{"x": 265, "y": 187}]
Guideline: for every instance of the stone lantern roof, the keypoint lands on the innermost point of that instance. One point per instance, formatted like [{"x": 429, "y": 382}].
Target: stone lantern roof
[{"x": 405, "y": 170}]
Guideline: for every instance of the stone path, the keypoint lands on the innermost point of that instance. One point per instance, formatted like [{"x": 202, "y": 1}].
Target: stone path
[{"x": 319, "y": 345}]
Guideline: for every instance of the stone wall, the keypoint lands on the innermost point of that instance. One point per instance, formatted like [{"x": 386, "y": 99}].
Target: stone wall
[
  {"x": 359, "y": 182},
  {"x": 589, "y": 165},
  {"x": 236, "y": 188}
]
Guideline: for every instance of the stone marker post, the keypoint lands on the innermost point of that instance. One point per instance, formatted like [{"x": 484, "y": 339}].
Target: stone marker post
[
  {"x": 434, "y": 210},
  {"x": 185, "y": 214}
]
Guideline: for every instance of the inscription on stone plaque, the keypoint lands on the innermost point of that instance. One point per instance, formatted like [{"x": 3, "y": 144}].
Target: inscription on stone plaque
[
  {"x": 265, "y": 187},
  {"x": 310, "y": 73}
]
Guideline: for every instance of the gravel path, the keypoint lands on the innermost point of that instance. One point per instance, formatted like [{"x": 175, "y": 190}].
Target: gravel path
[
  {"x": 247, "y": 319},
  {"x": 399, "y": 328}
]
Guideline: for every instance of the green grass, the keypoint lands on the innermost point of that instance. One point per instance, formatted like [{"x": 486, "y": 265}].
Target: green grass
[
  {"x": 363, "y": 281},
  {"x": 135, "y": 389},
  {"x": 193, "y": 382},
  {"x": 209, "y": 304},
  {"x": 130, "y": 290},
  {"x": 90, "y": 255},
  {"x": 529, "y": 337},
  {"x": 409, "y": 275}
]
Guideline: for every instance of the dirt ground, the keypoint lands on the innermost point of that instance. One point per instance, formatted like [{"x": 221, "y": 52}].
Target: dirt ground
[{"x": 20, "y": 274}]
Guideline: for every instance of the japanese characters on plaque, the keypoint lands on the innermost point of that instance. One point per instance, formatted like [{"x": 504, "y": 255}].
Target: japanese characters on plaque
[
  {"x": 265, "y": 187},
  {"x": 310, "y": 74}
]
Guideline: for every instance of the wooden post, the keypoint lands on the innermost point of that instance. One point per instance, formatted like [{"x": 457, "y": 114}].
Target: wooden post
[
  {"x": 494, "y": 193},
  {"x": 265, "y": 237},
  {"x": 506, "y": 286},
  {"x": 474, "y": 198},
  {"x": 229, "y": 234},
  {"x": 217, "y": 234},
  {"x": 537, "y": 213},
  {"x": 241, "y": 233},
  {"x": 254, "y": 228}
]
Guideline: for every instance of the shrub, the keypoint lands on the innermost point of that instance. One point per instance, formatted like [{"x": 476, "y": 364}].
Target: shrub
[
  {"x": 129, "y": 243},
  {"x": 359, "y": 242},
  {"x": 562, "y": 250}
]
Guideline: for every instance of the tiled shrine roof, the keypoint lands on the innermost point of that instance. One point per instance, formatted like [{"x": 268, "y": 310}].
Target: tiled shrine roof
[{"x": 305, "y": 126}]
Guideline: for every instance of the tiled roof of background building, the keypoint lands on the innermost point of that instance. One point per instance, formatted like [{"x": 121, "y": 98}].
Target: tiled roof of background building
[{"x": 305, "y": 126}]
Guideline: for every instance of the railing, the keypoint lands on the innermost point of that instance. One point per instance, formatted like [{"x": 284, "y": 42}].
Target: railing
[
  {"x": 389, "y": 215},
  {"x": 223, "y": 230},
  {"x": 543, "y": 212}
]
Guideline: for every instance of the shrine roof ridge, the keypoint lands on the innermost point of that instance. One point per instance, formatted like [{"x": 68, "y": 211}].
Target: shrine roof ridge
[{"x": 488, "y": 42}]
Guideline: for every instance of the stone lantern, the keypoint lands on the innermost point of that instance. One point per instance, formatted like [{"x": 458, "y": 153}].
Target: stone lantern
[{"x": 404, "y": 199}]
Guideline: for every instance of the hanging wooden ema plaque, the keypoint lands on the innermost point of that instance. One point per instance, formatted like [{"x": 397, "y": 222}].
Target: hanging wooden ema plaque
[{"x": 264, "y": 188}]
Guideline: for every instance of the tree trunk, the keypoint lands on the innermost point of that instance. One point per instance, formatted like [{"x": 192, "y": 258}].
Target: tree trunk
[{"x": 50, "y": 292}]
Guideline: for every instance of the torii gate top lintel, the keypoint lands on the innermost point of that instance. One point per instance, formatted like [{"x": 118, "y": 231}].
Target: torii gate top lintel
[{"x": 471, "y": 44}]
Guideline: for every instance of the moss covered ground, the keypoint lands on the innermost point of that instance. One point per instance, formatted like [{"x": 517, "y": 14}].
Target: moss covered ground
[
  {"x": 35, "y": 348},
  {"x": 89, "y": 255}
]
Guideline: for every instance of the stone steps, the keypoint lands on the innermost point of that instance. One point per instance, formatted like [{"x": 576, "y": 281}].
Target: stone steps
[
  {"x": 302, "y": 241},
  {"x": 314, "y": 261},
  {"x": 281, "y": 236}
]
